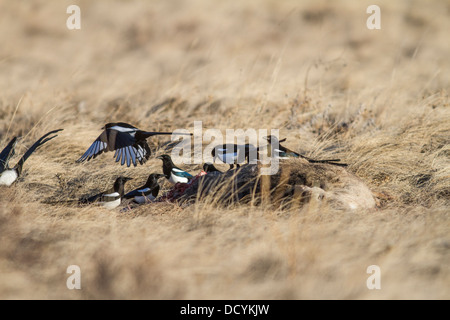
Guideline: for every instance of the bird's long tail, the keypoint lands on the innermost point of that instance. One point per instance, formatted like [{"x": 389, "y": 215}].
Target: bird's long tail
[
  {"x": 36, "y": 145},
  {"x": 62, "y": 202},
  {"x": 329, "y": 161},
  {"x": 153, "y": 133}
]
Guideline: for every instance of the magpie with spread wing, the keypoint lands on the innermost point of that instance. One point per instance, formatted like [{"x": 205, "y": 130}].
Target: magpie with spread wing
[
  {"x": 128, "y": 142},
  {"x": 9, "y": 175}
]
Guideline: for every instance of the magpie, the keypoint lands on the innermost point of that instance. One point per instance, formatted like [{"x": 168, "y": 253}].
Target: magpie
[
  {"x": 148, "y": 192},
  {"x": 173, "y": 173},
  {"x": 111, "y": 198},
  {"x": 9, "y": 175},
  {"x": 285, "y": 153},
  {"x": 209, "y": 167},
  {"x": 235, "y": 154},
  {"x": 128, "y": 142}
]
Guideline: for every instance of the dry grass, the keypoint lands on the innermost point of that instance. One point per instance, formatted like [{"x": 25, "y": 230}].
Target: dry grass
[{"x": 376, "y": 99}]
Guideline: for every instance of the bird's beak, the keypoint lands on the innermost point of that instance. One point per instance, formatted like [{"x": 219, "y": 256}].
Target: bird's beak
[
  {"x": 159, "y": 157},
  {"x": 158, "y": 176},
  {"x": 127, "y": 179}
]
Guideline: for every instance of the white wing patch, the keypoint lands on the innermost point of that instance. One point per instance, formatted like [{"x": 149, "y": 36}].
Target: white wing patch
[
  {"x": 122, "y": 129},
  {"x": 228, "y": 157}
]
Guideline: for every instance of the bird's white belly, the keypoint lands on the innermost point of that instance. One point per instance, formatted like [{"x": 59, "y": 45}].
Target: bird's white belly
[
  {"x": 111, "y": 204},
  {"x": 144, "y": 199},
  {"x": 175, "y": 179},
  {"x": 8, "y": 177}
]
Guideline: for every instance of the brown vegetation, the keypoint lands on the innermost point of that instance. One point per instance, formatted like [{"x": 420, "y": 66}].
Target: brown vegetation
[{"x": 377, "y": 99}]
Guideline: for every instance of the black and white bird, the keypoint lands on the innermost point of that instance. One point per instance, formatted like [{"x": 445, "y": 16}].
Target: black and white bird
[
  {"x": 172, "y": 172},
  {"x": 128, "y": 142},
  {"x": 209, "y": 167},
  {"x": 148, "y": 192},
  {"x": 281, "y": 152},
  {"x": 111, "y": 198},
  {"x": 235, "y": 154},
  {"x": 9, "y": 175}
]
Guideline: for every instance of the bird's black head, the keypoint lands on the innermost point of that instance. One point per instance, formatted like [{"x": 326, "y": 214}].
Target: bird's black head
[
  {"x": 153, "y": 178},
  {"x": 273, "y": 139},
  {"x": 119, "y": 184},
  {"x": 164, "y": 158},
  {"x": 167, "y": 164},
  {"x": 122, "y": 180},
  {"x": 209, "y": 167}
]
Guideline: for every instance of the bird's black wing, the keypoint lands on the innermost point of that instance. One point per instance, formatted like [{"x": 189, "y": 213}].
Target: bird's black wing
[
  {"x": 99, "y": 146},
  {"x": 142, "y": 191},
  {"x": 45, "y": 138},
  {"x": 7, "y": 153},
  {"x": 127, "y": 150},
  {"x": 139, "y": 151}
]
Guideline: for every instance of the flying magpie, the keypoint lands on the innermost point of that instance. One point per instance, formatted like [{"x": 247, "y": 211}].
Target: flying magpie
[
  {"x": 111, "y": 198},
  {"x": 148, "y": 192},
  {"x": 128, "y": 142},
  {"x": 173, "y": 173},
  {"x": 285, "y": 153},
  {"x": 209, "y": 167},
  {"x": 235, "y": 154},
  {"x": 9, "y": 175}
]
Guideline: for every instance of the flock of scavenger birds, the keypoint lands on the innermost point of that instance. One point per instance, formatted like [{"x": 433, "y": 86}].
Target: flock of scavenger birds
[{"x": 131, "y": 147}]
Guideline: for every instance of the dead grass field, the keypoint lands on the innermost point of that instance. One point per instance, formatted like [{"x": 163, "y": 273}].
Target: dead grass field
[{"x": 378, "y": 99}]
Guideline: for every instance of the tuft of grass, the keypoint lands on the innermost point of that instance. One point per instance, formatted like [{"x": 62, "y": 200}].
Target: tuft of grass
[{"x": 377, "y": 99}]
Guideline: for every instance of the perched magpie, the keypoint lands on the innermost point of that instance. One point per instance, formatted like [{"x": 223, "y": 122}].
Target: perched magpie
[
  {"x": 173, "y": 173},
  {"x": 128, "y": 142},
  {"x": 111, "y": 198},
  {"x": 234, "y": 153},
  {"x": 285, "y": 153},
  {"x": 209, "y": 167},
  {"x": 148, "y": 192},
  {"x": 9, "y": 175}
]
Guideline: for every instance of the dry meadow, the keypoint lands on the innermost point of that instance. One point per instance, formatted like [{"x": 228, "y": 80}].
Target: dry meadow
[{"x": 377, "y": 99}]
